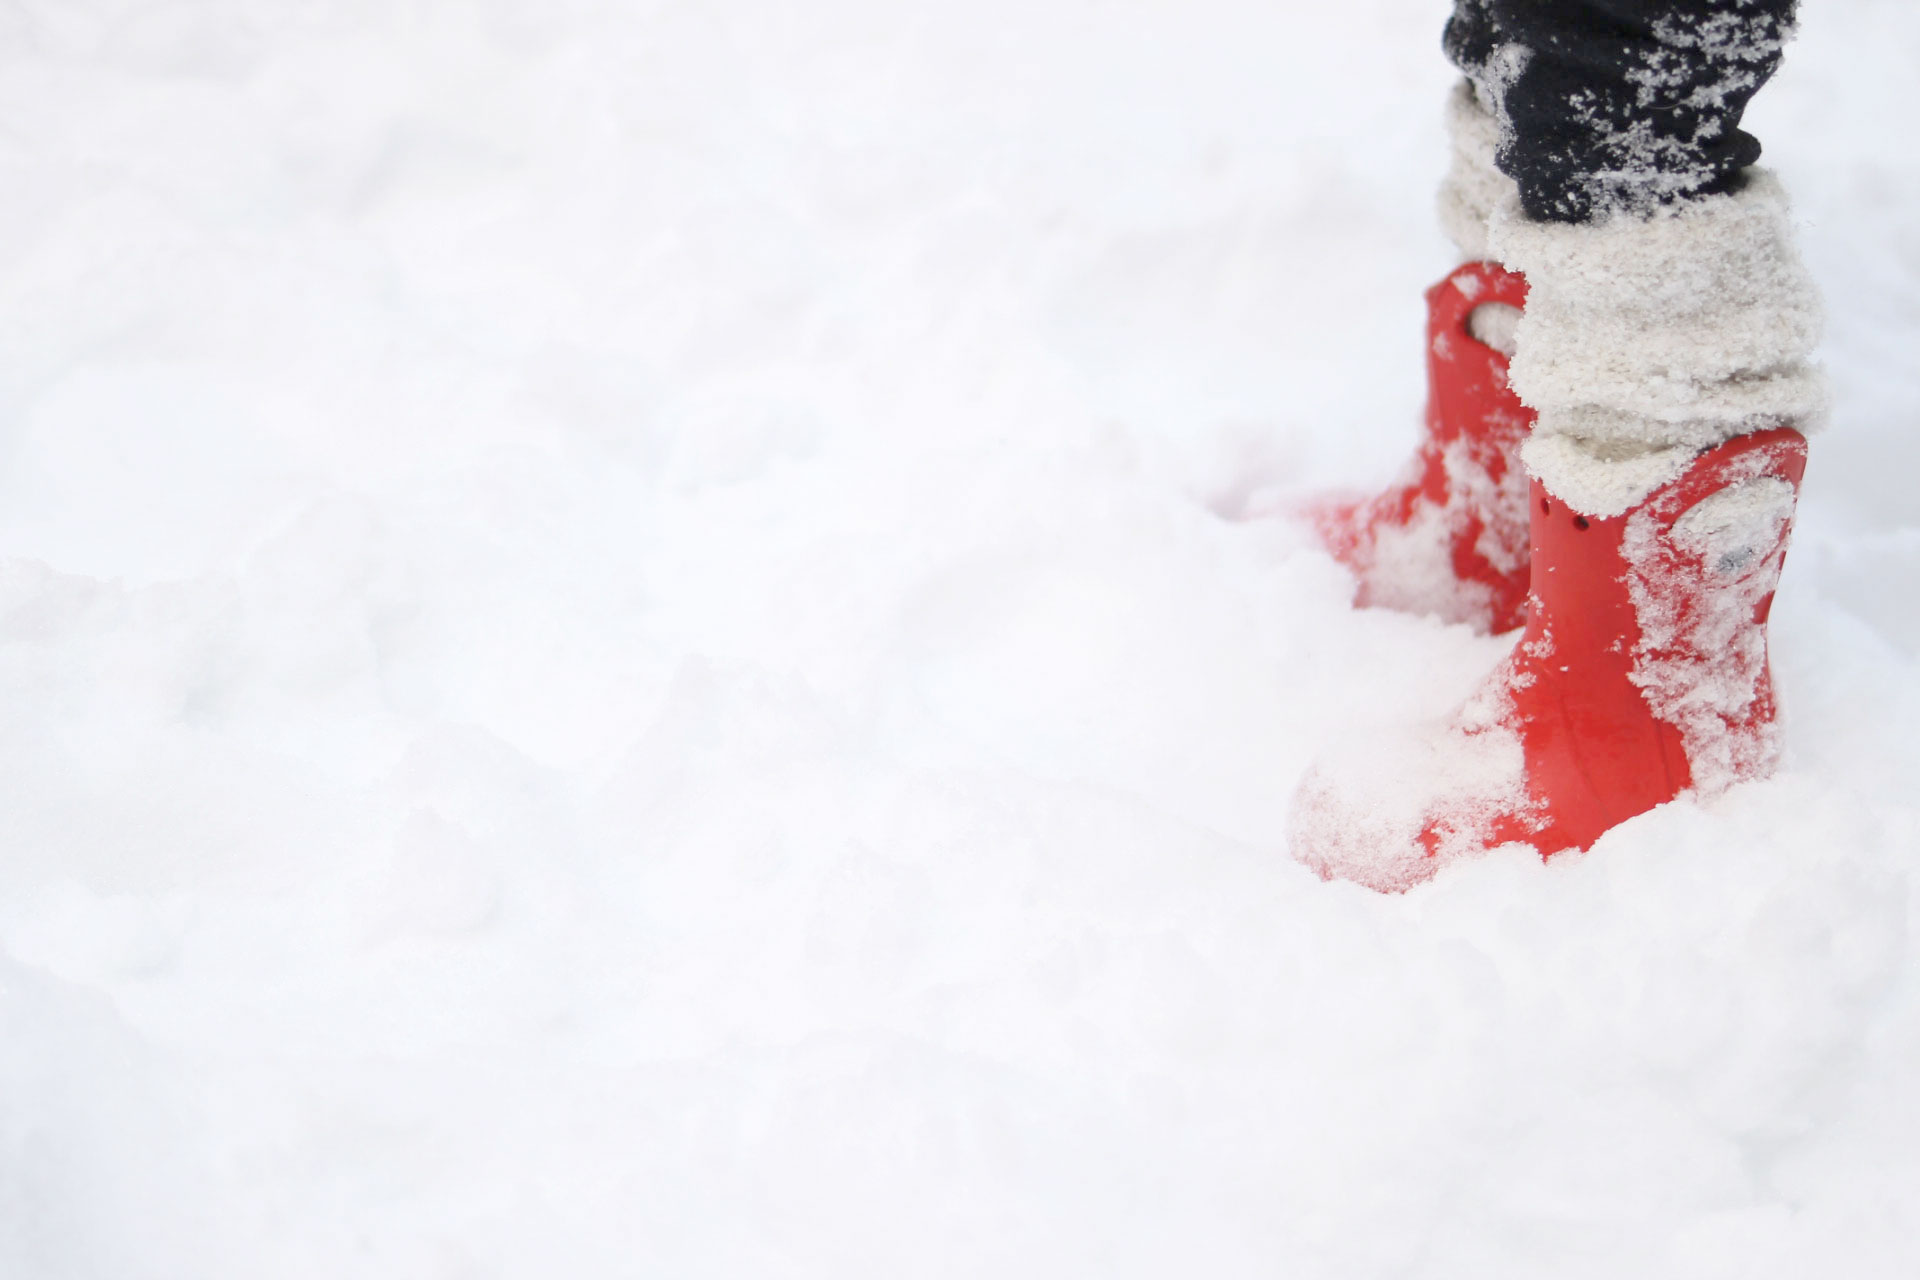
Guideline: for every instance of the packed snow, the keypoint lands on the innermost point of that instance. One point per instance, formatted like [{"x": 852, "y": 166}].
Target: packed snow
[{"x": 651, "y": 639}]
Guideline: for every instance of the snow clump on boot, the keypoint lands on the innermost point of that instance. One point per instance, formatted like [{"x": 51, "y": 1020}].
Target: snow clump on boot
[
  {"x": 1390, "y": 810},
  {"x": 1701, "y": 661}
]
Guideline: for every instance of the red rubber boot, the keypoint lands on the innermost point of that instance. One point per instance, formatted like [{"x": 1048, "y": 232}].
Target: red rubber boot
[
  {"x": 1642, "y": 673},
  {"x": 1451, "y": 538}
]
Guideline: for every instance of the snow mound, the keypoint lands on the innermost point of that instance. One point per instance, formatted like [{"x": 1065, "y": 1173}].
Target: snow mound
[{"x": 636, "y": 639}]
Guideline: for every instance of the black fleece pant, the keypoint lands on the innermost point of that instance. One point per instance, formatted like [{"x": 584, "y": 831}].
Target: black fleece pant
[{"x": 1619, "y": 104}]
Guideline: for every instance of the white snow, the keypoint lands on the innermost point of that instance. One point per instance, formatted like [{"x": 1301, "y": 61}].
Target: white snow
[
  {"x": 1697, "y": 586},
  {"x": 1366, "y": 803},
  {"x": 1408, "y": 565},
  {"x": 637, "y": 641}
]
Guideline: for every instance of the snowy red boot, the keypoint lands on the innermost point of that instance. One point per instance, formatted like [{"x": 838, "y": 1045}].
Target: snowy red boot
[
  {"x": 1642, "y": 673},
  {"x": 1450, "y": 539}
]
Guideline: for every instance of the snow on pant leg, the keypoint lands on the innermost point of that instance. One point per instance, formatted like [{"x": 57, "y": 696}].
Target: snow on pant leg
[
  {"x": 1620, "y": 105},
  {"x": 1668, "y": 310}
]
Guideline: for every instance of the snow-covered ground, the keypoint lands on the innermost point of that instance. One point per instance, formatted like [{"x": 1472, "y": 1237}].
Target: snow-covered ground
[{"x": 647, "y": 639}]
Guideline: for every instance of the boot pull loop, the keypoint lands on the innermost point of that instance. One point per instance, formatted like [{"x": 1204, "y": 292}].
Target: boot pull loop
[
  {"x": 1481, "y": 302},
  {"x": 1495, "y": 325}
]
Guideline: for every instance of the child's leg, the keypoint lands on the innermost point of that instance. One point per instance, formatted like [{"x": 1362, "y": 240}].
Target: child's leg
[
  {"x": 1620, "y": 105},
  {"x": 1665, "y": 348},
  {"x": 1668, "y": 310}
]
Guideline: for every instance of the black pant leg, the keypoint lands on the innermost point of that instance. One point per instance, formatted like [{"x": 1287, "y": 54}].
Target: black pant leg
[{"x": 1620, "y": 104}]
